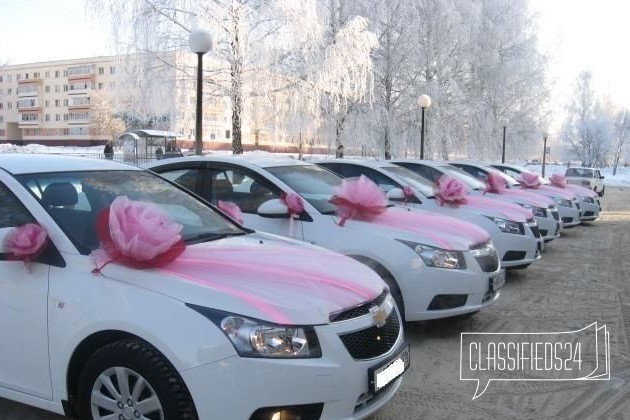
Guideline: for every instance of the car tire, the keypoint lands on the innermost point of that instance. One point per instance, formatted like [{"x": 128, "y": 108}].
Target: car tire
[{"x": 153, "y": 387}]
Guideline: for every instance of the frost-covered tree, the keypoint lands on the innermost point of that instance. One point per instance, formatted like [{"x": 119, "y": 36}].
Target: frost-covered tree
[
  {"x": 262, "y": 47},
  {"x": 621, "y": 132},
  {"x": 103, "y": 120},
  {"x": 587, "y": 127}
]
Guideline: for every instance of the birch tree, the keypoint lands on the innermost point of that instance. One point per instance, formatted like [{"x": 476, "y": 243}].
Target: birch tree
[{"x": 621, "y": 130}]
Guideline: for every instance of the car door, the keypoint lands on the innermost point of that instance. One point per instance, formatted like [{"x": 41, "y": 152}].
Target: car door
[
  {"x": 24, "y": 362},
  {"x": 248, "y": 189}
]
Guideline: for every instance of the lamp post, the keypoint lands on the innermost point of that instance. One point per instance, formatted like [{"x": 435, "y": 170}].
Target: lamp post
[
  {"x": 545, "y": 134},
  {"x": 200, "y": 42},
  {"x": 424, "y": 101},
  {"x": 503, "y": 122}
]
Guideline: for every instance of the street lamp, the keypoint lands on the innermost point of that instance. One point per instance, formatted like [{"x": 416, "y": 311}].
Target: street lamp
[
  {"x": 424, "y": 101},
  {"x": 545, "y": 134},
  {"x": 200, "y": 42},
  {"x": 503, "y": 122}
]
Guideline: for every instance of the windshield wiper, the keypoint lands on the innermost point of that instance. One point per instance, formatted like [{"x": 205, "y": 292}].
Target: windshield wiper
[{"x": 210, "y": 236}]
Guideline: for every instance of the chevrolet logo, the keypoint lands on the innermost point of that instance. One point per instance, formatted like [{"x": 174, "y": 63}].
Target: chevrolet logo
[{"x": 380, "y": 314}]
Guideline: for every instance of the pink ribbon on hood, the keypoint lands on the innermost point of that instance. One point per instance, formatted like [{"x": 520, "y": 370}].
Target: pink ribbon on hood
[
  {"x": 450, "y": 191},
  {"x": 495, "y": 183},
  {"x": 529, "y": 180},
  {"x": 558, "y": 180}
]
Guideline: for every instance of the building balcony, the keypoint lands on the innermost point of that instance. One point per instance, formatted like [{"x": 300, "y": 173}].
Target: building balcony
[
  {"x": 79, "y": 107},
  {"x": 22, "y": 93},
  {"x": 37, "y": 80},
  {"x": 29, "y": 123},
  {"x": 30, "y": 109},
  {"x": 80, "y": 77}
]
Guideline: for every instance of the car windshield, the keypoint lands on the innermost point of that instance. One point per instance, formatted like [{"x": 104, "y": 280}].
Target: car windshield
[
  {"x": 417, "y": 182},
  {"x": 462, "y": 176},
  {"x": 74, "y": 199},
  {"x": 315, "y": 184}
]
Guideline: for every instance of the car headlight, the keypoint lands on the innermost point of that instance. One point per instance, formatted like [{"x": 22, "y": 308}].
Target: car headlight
[
  {"x": 255, "y": 338},
  {"x": 562, "y": 202},
  {"x": 508, "y": 226},
  {"x": 536, "y": 211},
  {"x": 437, "y": 257},
  {"x": 484, "y": 250}
]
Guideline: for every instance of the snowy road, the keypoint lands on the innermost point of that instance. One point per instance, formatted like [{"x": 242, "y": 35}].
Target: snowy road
[{"x": 583, "y": 277}]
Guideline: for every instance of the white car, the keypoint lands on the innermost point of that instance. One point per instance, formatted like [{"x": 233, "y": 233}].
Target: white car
[
  {"x": 590, "y": 205},
  {"x": 295, "y": 330},
  {"x": 513, "y": 229},
  {"x": 567, "y": 201},
  {"x": 589, "y": 178},
  {"x": 544, "y": 209},
  {"x": 432, "y": 271}
]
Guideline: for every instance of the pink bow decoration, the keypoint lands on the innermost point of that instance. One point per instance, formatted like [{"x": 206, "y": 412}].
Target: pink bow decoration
[
  {"x": 25, "y": 243},
  {"x": 494, "y": 183},
  {"x": 558, "y": 180},
  {"x": 407, "y": 192},
  {"x": 231, "y": 209},
  {"x": 138, "y": 234},
  {"x": 529, "y": 180},
  {"x": 449, "y": 191},
  {"x": 359, "y": 199},
  {"x": 293, "y": 202}
]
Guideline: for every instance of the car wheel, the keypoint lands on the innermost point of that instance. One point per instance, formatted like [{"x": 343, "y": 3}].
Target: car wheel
[
  {"x": 130, "y": 379},
  {"x": 601, "y": 193}
]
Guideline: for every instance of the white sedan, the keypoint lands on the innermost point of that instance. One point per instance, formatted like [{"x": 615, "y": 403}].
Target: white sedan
[
  {"x": 124, "y": 296},
  {"x": 436, "y": 266}
]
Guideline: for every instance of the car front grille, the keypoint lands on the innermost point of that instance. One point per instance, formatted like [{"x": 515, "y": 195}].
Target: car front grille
[
  {"x": 514, "y": 255},
  {"x": 358, "y": 311},
  {"x": 589, "y": 214},
  {"x": 373, "y": 341},
  {"x": 543, "y": 232}
]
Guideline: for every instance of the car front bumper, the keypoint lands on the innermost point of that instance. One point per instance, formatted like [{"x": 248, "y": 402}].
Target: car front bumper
[{"x": 336, "y": 383}]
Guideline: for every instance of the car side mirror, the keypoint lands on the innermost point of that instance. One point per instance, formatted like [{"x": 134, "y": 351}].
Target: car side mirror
[
  {"x": 602, "y": 177},
  {"x": 274, "y": 209},
  {"x": 395, "y": 194}
]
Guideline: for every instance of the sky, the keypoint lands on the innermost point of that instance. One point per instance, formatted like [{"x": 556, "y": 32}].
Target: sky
[{"x": 579, "y": 35}]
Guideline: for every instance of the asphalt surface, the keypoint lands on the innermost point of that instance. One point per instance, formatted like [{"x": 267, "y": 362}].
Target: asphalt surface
[{"x": 583, "y": 277}]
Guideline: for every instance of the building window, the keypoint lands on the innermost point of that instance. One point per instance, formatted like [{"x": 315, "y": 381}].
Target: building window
[
  {"x": 57, "y": 88},
  {"x": 65, "y": 102},
  {"x": 57, "y": 117},
  {"x": 112, "y": 70},
  {"x": 100, "y": 86},
  {"x": 56, "y": 74},
  {"x": 1, "y": 105},
  {"x": 57, "y": 103},
  {"x": 1, "y": 118},
  {"x": 65, "y": 117},
  {"x": 9, "y": 91},
  {"x": 47, "y": 103},
  {"x": 47, "y": 89},
  {"x": 65, "y": 73},
  {"x": 47, "y": 74},
  {"x": 36, "y": 75},
  {"x": 47, "y": 117},
  {"x": 29, "y": 117},
  {"x": 101, "y": 70},
  {"x": 227, "y": 134},
  {"x": 0, "y": 78},
  {"x": 18, "y": 77},
  {"x": 9, "y": 78},
  {"x": 9, "y": 105}
]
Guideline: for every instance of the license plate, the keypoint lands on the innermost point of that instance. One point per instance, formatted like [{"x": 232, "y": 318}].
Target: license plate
[
  {"x": 382, "y": 375},
  {"x": 497, "y": 282}
]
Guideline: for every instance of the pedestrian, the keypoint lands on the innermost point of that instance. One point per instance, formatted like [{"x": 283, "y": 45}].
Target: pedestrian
[
  {"x": 109, "y": 150},
  {"x": 339, "y": 153},
  {"x": 159, "y": 153}
]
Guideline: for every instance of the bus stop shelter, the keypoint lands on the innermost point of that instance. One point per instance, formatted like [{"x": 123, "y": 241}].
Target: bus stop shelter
[{"x": 141, "y": 146}]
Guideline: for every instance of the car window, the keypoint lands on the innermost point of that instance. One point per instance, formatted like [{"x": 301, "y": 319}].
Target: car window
[
  {"x": 597, "y": 174},
  {"x": 59, "y": 194},
  {"x": 313, "y": 183},
  {"x": 244, "y": 188},
  {"x": 187, "y": 177},
  {"x": 12, "y": 211},
  {"x": 409, "y": 177}
]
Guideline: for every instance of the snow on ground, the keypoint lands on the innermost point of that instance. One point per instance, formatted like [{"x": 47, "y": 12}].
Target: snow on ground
[{"x": 621, "y": 179}]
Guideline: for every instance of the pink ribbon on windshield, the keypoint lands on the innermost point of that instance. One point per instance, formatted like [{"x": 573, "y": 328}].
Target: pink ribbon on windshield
[
  {"x": 359, "y": 199},
  {"x": 529, "y": 180},
  {"x": 558, "y": 180},
  {"x": 495, "y": 183},
  {"x": 231, "y": 209},
  {"x": 450, "y": 191}
]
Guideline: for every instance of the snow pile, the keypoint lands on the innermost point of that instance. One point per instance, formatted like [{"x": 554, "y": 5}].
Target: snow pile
[{"x": 38, "y": 148}]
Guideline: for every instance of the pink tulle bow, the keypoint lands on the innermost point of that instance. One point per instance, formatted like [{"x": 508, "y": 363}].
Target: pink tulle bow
[
  {"x": 407, "y": 192},
  {"x": 138, "y": 234},
  {"x": 26, "y": 242},
  {"x": 231, "y": 209},
  {"x": 449, "y": 191},
  {"x": 529, "y": 180},
  {"x": 293, "y": 202},
  {"x": 495, "y": 183},
  {"x": 558, "y": 180},
  {"x": 359, "y": 199}
]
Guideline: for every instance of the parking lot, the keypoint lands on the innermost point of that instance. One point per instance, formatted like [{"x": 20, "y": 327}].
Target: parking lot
[{"x": 583, "y": 277}]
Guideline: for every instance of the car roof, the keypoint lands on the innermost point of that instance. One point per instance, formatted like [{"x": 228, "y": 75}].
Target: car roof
[
  {"x": 259, "y": 159},
  {"x": 430, "y": 163},
  {"x": 368, "y": 163},
  {"x": 26, "y": 163}
]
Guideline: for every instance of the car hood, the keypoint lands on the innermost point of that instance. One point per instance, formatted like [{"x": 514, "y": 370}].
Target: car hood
[
  {"x": 524, "y": 196},
  {"x": 496, "y": 208},
  {"x": 561, "y": 192},
  {"x": 586, "y": 192},
  {"x": 426, "y": 227},
  {"x": 260, "y": 276}
]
